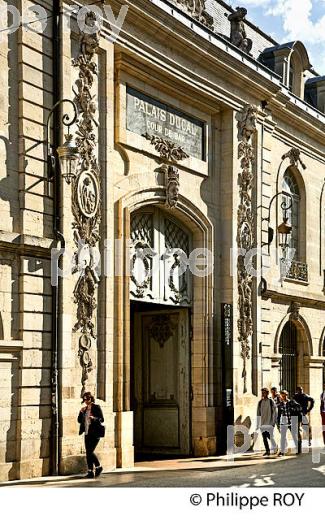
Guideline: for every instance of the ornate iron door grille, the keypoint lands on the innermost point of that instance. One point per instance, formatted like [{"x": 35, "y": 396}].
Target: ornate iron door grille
[
  {"x": 160, "y": 252},
  {"x": 288, "y": 365}
]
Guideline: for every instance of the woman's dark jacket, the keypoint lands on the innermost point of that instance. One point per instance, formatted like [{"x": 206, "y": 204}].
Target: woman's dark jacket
[
  {"x": 293, "y": 410},
  {"x": 94, "y": 427}
]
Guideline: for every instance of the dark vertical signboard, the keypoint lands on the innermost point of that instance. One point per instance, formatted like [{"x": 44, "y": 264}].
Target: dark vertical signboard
[{"x": 227, "y": 368}]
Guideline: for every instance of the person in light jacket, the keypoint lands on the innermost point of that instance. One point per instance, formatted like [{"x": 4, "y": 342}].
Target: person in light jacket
[
  {"x": 90, "y": 419},
  {"x": 289, "y": 418},
  {"x": 266, "y": 419}
]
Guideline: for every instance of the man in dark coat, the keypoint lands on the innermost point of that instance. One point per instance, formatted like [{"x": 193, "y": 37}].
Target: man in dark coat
[{"x": 307, "y": 404}]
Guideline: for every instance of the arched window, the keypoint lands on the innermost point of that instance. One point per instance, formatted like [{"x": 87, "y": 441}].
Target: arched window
[
  {"x": 290, "y": 186},
  {"x": 295, "y": 73},
  {"x": 288, "y": 363}
]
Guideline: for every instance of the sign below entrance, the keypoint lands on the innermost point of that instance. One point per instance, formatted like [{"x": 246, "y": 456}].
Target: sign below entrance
[{"x": 146, "y": 115}]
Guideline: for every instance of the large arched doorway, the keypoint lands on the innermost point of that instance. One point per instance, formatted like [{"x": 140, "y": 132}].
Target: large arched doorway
[
  {"x": 288, "y": 363},
  {"x": 161, "y": 301}
]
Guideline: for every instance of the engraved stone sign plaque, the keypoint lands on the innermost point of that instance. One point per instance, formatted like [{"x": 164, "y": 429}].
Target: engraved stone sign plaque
[{"x": 147, "y": 115}]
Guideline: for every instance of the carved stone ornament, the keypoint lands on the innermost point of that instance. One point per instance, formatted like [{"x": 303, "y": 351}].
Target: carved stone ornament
[
  {"x": 180, "y": 288},
  {"x": 196, "y": 9},
  {"x": 86, "y": 198},
  {"x": 238, "y": 36},
  {"x": 167, "y": 150},
  {"x": 294, "y": 311},
  {"x": 245, "y": 233},
  {"x": 172, "y": 192},
  {"x": 161, "y": 329},
  {"x": 172, "y": 153},
  {"x": 88, "y": 194},
  {"x": 294, "y": 156},
  {"x": 141, "y": 268}
]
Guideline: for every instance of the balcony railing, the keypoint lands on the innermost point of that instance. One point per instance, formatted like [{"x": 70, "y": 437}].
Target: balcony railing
[{"x": 298, "y": 271}]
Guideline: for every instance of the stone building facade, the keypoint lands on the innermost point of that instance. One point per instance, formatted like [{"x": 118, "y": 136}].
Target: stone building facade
[{"x": 187, "y": 137}]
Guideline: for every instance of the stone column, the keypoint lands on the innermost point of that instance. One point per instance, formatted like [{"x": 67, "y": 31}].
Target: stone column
[{"x": 124, "y": 417}]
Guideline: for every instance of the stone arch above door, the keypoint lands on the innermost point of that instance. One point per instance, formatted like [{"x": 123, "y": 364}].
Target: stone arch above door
[
  {"x": 303, "y": 331},
  {"x": 322, "y": 344},
  {"x": 196, "y": 222},
  {"x": 304, "y": 348}
]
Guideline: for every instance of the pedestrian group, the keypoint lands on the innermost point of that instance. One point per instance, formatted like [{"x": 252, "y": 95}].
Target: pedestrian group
[
  {"x": 287, "y": 415},
  {"x": 277, "y": 410}
]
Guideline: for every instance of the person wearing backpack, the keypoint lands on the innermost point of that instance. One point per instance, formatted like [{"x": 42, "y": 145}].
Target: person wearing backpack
[
  {"x": 266, "y": 419},
  {"x": 289, "y": 418}
]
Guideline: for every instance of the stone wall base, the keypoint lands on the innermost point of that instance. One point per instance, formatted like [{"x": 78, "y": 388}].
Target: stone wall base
[
  {"x": 75, "y": 464},
  {"x": 9, "y": 471},
  {"x": 125, "y": 449}
]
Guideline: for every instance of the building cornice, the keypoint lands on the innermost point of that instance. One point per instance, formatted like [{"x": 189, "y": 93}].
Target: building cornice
[
  {"x": 256, "y": 81},
  {"x": 317, "y": 302}
]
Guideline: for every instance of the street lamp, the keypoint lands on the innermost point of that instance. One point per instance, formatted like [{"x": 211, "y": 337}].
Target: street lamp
[
  {"x": 67, "y": 153},
  {"x": 67, "y": 157},
  {"x": 284, "y": 230}
]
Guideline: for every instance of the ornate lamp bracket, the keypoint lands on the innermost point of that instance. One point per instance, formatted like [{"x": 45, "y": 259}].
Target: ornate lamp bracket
[{"x": 285, "y": 208}]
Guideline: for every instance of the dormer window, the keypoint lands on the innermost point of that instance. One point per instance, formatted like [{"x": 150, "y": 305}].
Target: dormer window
[{"x": 289, "y": 61}]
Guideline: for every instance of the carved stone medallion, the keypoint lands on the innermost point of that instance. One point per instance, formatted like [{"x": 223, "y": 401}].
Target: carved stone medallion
[{"x": 88, "y": 194}]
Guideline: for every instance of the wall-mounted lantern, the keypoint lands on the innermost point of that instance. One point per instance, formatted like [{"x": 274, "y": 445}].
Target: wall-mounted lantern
[
  {"x": 284, "y": 230},
  {"x": 67, "y": 153}
]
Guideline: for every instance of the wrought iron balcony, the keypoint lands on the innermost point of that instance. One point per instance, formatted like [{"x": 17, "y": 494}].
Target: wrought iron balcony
[{"x": 298, "y": 271}]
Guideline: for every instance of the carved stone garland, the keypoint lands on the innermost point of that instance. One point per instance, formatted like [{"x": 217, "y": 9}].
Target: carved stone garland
[
  {"x": 245, "y": 233},
  {"x": 172, "y": 153},
  {"x": 86, "y": 196}
]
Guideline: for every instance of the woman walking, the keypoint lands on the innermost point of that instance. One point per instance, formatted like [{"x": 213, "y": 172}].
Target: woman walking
[{"x": 91, "y": 419}]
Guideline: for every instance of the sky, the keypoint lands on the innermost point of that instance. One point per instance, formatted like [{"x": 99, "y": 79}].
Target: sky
[{"x": 289, "y": 20}]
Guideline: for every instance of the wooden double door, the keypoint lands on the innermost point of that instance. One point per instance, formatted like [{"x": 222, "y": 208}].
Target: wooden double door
[{"x": 161, "y": 382}]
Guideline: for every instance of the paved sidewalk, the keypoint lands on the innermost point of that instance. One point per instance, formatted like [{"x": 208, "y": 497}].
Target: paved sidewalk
[{"x": 213, "y": 463}]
